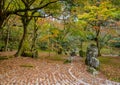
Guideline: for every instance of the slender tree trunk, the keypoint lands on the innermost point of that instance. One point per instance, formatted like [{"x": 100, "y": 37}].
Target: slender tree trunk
[
  {"x": 25, "y": 21},
  {"x": 34, "y": 36},
  {"x": 81, "y": 44},
  {"x": 1, "y": 20},
  {"x": 20, "y": 48},
  {"x": 33, "y": 47},
  {"x": 7, "y": 39},
  {"x": 34, "y": 40},
  {"x": 3, "y": 15},
  {"x": 97, "y": 41},
  {"x": 81, "y": 49},
  {"x": 98, "y": 46},
  {"x": 33, "y": 43}
]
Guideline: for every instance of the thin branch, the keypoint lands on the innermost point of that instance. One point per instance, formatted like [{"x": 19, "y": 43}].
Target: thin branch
[
  {"x": 41, "y": 2},
  {"x": 91, "y": 23},
  {"x": 25, "y": 3},
  {"x": 3, "y": 4},
  {"x": 17, "y": 3},
  {"x": 28, "y": 9},
  {"x": 8, "y": 6},
  {"x": 33, "y": 16},
  {"x": 31, "y": 2},
  {"x": 6, "y": 21}
]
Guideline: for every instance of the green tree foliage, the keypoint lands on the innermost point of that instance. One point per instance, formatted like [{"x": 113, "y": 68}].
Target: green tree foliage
[
  {"x": 67, "y": 22},
  {"x": 97, "y": 15}
]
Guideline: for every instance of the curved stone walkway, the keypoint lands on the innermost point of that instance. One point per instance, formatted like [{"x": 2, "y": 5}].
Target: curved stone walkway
[{"x": 47, "y": 73}]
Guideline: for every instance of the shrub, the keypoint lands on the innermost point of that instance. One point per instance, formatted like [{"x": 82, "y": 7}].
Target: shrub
[
  {"x": 67, "y": 61},
  {"x": 30, "y": 54},
  {"x": 116, "y": 44}
]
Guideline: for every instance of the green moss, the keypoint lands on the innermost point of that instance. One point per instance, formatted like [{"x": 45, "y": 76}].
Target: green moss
[
  {"x": 67, "y": 61},
  {"x": 116, "y": 79},
  {"x": 110, "y": 67},
  {"x": 106, "y": 51},
  {"x": 27, "y": 65},
  {"x": 56, "y": 58},
  {"x": 3, "y": 58},
  {"x": 104, "y": 60},
  {"x": 114, "y": 61}
]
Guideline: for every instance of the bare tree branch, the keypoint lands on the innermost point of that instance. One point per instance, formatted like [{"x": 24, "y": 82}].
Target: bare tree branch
[
  {"x": 25, "y": 3},
  {"x": 33, "y": 16},
  {"x": 32, "y": 9},
  {"x": 31, "y": 2},
  {"x": 8, "y": 6},
  {"x": 41, "y": 1}
]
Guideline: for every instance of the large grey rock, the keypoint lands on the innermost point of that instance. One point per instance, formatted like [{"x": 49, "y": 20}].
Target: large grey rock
[
  {"x": 92, "y": 71},
  {"x": 91, "y": 56},
  {"x": 94, "y": 62}
]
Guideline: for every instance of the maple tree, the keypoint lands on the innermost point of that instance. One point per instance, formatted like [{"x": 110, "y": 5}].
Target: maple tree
[
  {"x": 97, "y": 16},
  {"x": 71, "y": 18}
]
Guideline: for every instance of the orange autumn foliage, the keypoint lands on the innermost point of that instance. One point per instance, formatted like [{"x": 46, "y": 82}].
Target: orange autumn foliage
[{"x": 96, "y": 27}]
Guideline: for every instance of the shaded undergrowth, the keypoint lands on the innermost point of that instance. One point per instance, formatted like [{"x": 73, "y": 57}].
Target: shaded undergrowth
[{"x": 5, "y": 57}]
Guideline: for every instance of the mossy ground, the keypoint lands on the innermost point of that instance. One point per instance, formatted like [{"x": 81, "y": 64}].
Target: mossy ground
[{"x": 110, "y": 67}]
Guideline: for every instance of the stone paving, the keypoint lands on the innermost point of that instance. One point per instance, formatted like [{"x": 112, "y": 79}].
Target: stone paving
[{"x": 47, "y": 73}]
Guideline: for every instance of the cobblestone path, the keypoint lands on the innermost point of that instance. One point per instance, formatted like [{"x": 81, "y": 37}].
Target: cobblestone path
[{"x": 47, "y": 73}]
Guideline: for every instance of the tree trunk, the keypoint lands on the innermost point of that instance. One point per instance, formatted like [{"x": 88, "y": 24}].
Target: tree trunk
[
  {"x": 34, "y": 36},
  {"x": 7, "y": 39},
  {"x": 98, "y": 46},
  {"x": 97, "y": 41},
  {"x": 20, "y": 48},
  {"x": 1, "y": 20},
  {"x": 81, "y": 44},
  {"x": 33, "y": 43},
  {"x": 81, "y": 49},
  {"x": 3, "y": 14},
  {"x": 25, "y": 21},
  {"x": 33, "y": 47}
]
